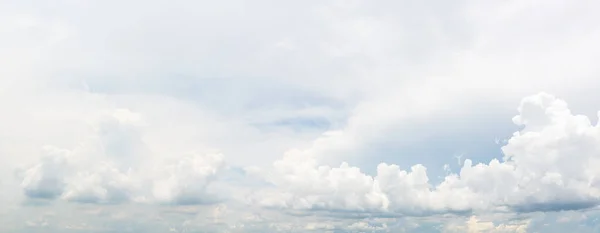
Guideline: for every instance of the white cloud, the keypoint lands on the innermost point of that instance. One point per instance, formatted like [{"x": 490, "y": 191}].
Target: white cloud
[
  {"x": 101, "y": 184},
  {"x": 186, "y": 181},
  {"x": 113, "y": 165},
  {"x": 549, "y": 165}
]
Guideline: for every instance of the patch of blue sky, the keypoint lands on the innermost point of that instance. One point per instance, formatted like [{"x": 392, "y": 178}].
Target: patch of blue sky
[
  {"x": 238, "y": 176},
  {"x": 450, "y": 141},
  {"x": 225, "y": 95},
  {"x": 297, "y": 124}
]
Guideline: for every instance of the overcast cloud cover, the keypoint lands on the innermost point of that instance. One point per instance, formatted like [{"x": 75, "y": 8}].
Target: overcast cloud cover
[{"x": 299, "y": 116}]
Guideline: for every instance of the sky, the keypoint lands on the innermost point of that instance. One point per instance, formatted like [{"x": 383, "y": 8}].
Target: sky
[{"x": 299, "y": 116}]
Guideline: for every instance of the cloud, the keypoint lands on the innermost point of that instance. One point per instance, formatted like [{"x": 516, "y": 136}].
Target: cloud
[
  {"x": 101, "y": 184},
  {"x": 475, "y": 225},
  {"x": 366, "y": 227},
  {"x": 162, "y": 84},
  {"x": 45, "y": 180},
  {"x": 113, "y": 165},
  {"x": 186, "y": 181},
  {"x": 549, "y": 165}
]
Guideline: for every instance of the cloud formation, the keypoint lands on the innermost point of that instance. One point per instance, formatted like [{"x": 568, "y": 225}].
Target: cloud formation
[
  {"x": 304, "y": 116},
  {"x": 549, "y": 165},
  {"x": 113, "y": 165}
]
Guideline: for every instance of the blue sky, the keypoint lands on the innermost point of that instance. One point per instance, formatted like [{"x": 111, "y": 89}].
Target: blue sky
[{"x": 299, "y": 116}]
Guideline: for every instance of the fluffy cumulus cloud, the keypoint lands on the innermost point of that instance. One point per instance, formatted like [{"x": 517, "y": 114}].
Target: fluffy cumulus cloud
[
  {"x": 187, "y": 180},
  {"x": 113, "y": 165},
  {"x": 549, "y": 165},
  {"x": 304, "y": 116}
]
